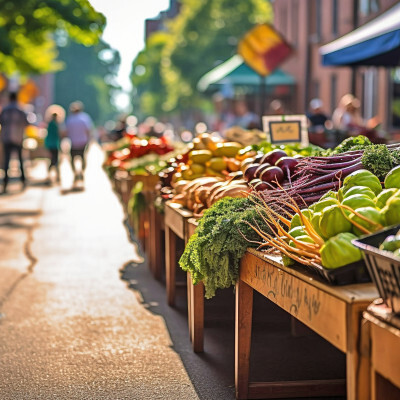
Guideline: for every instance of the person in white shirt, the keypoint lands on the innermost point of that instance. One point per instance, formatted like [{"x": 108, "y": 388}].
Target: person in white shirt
[{"x": 78, "y": 127}]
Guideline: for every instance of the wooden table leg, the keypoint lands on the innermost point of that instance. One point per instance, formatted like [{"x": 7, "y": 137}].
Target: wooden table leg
[
  {"x": 364, "y": 364},
  {"x": 189, "y": 301},
  {"x": 197, "y": 316},
  {"x": 243, "y": 325},
  {"x": 354, "y": 316},
  {"x": 170, "y": 264}
]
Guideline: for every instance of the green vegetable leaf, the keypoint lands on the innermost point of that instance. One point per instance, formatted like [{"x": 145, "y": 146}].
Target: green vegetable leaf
[{"x": 213, "y": 252}]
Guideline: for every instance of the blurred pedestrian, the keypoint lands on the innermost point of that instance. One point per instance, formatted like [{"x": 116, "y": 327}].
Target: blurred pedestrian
[
  {"x": 243, "y": 116},
  {"x": 120, "y": 129},
  {"x": 52, "y": 142},
  {"x": 276, "y": 107},
  {"x": 223, "y": 115},
  {"x": 78, "y": 128},
  {"x": 316, "y": 116},
  {"x": 347, "y": 116},
  {"x": 13, "y": 121}
]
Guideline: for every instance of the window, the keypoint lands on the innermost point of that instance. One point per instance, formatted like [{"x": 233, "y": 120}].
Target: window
[
  {"x": 295, "y": 22},
  {"x": 368, "y": 7},
  {"x": 395, "y": 98},
  {"x": 333, "y": 91},
  {"x": 370, "y": 100},
  {"x": 335, "y": 6},
  {"x": 318, "y": 16},
  {"x": 316, "y": 89}
]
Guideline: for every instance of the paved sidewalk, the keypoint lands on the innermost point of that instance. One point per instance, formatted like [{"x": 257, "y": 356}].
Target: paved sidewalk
[{"x": 69, "y": 327}]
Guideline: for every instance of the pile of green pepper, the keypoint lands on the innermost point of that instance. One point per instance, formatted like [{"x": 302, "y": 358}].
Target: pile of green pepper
[{"x": 361, "y": 206}]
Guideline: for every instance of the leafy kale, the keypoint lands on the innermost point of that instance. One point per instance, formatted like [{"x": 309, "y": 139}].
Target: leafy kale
[
  {"x": 213, "y": 252},
  {"x": 352, "y": 143},
  {"x": 378, "y": 159}
]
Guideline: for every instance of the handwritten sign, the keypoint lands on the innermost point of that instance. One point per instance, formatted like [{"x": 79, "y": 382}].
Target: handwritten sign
[
  {"x": 286, "y": 129},
  {"x": 286, "y": 288}
]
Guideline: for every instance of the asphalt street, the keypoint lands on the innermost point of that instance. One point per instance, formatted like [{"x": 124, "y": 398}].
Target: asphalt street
[{"x": 70, "y": 328}]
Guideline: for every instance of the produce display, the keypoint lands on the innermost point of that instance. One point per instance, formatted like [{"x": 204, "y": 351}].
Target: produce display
[
  {"x": 139, "y": 156},
  {"x": 213, "y": 252},
  {"x": 322, "y": 233},
  {"x": 313, "y": 176},
  {"x": 213, "y": 169},
  {"x": 308, "y": 209}
]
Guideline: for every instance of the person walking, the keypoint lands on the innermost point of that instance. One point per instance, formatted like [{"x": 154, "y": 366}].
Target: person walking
[
  {"x": 78, "y": 129},
  {"x": 13, "y": 121},
  {"x": 52, "y": 142}
]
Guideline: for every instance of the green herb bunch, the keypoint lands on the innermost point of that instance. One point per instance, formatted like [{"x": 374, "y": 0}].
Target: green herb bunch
[{"x": 213, "y": 252}]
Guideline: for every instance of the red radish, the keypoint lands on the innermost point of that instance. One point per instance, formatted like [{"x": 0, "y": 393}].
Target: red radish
[
  {"x": 261, "y": 168},
  {"x": 250, "y": 171},
  {"x": 273, "y": 156},
  {"x": 236, "y": 175},
  {"x": 246, "y": 162},
  {"x": 287, "y": 165},
  {"x": 272, "y": 175},
  {"x": 258, "y": 157},
  {"x": 261, "y": 186},
  {"x": 254, "y": 182}
]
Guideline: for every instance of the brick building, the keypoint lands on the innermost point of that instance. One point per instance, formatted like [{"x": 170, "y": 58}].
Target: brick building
[
  {"x": 309, "y": 24},
  {"x": 158, "y": 23}
]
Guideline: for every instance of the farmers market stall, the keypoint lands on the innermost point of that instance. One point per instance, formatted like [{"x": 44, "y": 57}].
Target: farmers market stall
[
  {"x": 175, "y": 228},
  {"x": 381, "y": 331},
  {"x": 286, "y": 221},
  {"x": 332, "y": 312}
]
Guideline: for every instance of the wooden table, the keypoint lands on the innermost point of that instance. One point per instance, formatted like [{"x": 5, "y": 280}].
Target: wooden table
[
  {"x": 175, "y": 217},
  {"x": 382, "y": 333},
  {"x": 195, "y": 295},
  {"x": 123, "y": 185},
  {"x": 156, "y": 242},
  {"x": 333, "y": 312}
]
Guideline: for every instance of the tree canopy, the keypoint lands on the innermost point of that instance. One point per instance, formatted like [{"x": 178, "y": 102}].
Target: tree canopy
[
  {"x": 26, "y": 28},
  {"x": 89, "y": 76},
  {"x": 204, "y": 34}
]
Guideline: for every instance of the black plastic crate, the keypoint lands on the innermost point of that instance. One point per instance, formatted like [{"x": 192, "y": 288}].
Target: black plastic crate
[
  {"x": 383, "y": 266},
  {"x": 349, "y": 274}
]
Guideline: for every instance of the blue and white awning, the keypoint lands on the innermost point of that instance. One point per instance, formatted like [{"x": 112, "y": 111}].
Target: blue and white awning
[{"x": 375, "y": 43}]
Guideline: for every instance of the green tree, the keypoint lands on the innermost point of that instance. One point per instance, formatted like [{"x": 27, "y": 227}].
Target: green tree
[
  {"x": 89, "y": 76},
  {"x": 26, "y": 28},
  {"x": 146, "y": 78},
  {"x": 204, "y": 34}
]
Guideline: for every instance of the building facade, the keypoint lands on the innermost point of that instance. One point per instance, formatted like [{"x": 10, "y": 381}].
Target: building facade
[{"x": 309, "y": 24}]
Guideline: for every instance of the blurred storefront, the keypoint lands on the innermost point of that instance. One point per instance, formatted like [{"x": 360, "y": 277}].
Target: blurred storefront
[{"x": 308, "y": 25}]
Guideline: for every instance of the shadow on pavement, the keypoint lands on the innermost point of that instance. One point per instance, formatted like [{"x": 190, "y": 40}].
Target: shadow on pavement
[{"x": 277, "y": 354}]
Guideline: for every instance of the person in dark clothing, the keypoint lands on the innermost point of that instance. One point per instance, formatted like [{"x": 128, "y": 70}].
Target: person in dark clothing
[
  {"x": 316, "y": 116},
  {"x": 52, "y": 142},
  {"x": 13, "y": 122}
]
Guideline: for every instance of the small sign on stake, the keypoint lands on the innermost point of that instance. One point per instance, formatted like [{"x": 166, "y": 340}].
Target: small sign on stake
[{"x": 286, "y": 129}]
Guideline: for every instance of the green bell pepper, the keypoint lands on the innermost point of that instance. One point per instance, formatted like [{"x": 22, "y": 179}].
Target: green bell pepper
[
  {"x": 392, "y": 179},
  {"x": 384, "y": 196},
  {"x": 358, "y": 201},
  {"x": 391, "y": 212},
  {"x": 321, "y": 204},
  {"x": 391, "y": 243},
  {"x": 360, "y": 190},
  {"x": 362, "y": 177},
  {"x": 333, "y": 221},
  {"x": 296, "y": 220},
  {"x": 339, "y": 251},
  {"x": 372, "y": 214},
  {"x": 297, "y": 231}
]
